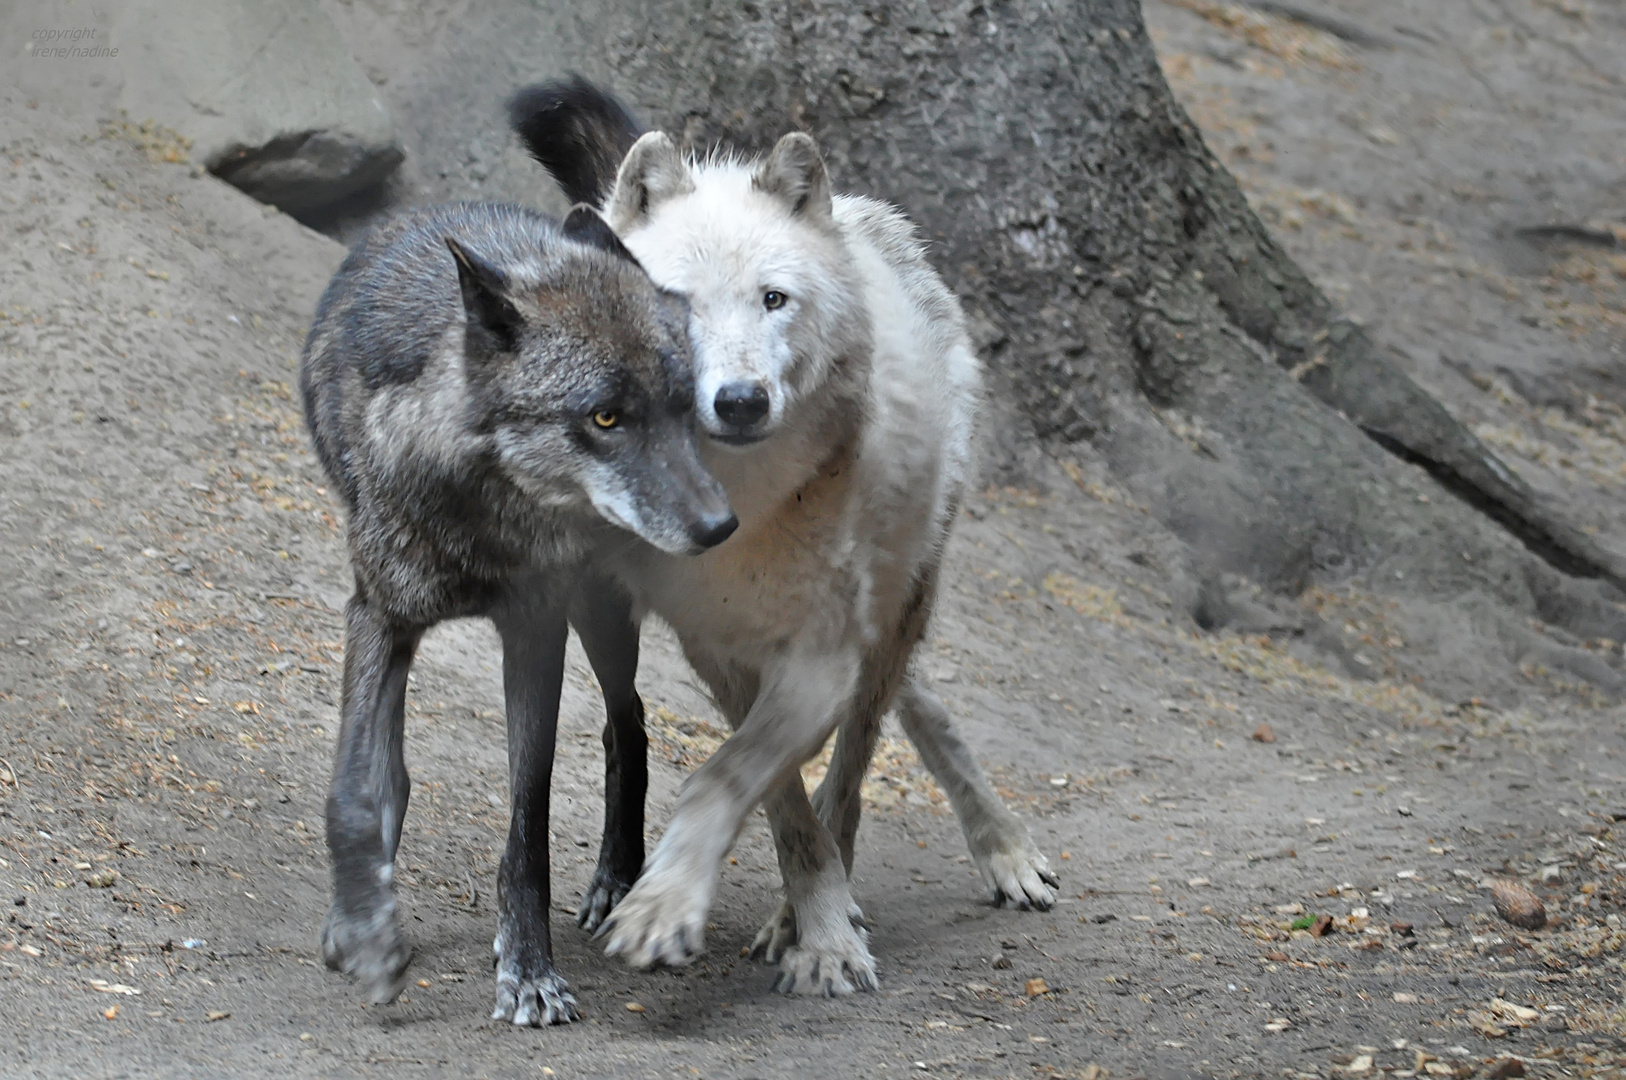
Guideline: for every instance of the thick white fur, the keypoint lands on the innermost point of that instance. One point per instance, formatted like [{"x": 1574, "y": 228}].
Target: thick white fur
[{"x": 805, "y": 618}]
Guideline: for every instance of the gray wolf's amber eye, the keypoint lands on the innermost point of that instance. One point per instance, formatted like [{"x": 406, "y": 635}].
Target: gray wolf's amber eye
[
  {"x": 607, "y": 419},
  {"x": 773, "y": 299}
]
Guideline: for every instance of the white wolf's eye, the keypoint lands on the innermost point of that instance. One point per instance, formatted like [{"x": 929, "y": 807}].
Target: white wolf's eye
[{"x": 773, "y": 299}]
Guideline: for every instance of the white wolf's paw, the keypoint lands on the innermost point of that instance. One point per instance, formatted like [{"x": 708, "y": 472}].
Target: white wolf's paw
[
  {"x": 661, "y": 921},
  {"x": 535, "y": 1001},
  {"x": 779, "y": 933},
  {"x": 776, "y": 935},
  {"x": 835, "y": 965},
  {"x": 1018, "y": 873}
]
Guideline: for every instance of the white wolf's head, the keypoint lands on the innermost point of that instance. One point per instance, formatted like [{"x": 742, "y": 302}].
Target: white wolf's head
[{"x": 774, "y": 296}]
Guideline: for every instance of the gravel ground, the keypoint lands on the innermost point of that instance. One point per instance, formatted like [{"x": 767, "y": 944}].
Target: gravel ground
[{"x": 1275, "y": 841}]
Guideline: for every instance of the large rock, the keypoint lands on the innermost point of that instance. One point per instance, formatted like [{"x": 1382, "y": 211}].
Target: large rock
[{"x": 264, "y": 89}]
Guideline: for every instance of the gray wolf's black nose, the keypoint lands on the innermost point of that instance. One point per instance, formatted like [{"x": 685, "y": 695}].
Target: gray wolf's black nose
[
  {"x": 708, "y": 532},
  {"x": 741, "y": 404}
]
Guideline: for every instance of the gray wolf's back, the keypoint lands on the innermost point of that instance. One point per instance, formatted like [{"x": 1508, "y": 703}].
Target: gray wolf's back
[{"x": 388, "y": 308}]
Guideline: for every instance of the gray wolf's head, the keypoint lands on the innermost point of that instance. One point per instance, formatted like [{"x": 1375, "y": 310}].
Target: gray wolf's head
[
  {"x": 579, "y": 371},
  {"x": 773, "y": 293}
]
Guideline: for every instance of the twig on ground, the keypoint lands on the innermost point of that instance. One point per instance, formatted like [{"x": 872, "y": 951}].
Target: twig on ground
[{"x": 1583, "y": 234}]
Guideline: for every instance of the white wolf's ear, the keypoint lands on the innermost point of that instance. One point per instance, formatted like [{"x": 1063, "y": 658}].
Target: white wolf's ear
[
  {"x": 652, "y": 172},
  {"x": 794, "y": 172}
]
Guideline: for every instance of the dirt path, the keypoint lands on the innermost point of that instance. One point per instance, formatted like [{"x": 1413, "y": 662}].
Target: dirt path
[{"x": 169, "y": 656}]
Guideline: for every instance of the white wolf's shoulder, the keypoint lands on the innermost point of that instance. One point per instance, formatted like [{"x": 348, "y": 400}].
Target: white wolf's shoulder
[
  {"x": 898, "y": 241},
  {"x": 926, "y": 370}
]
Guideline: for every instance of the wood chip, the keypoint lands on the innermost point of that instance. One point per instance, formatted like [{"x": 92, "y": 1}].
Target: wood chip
[
  {"x": 212, "y": 1017},
  {"x": 1262, "y": 733},
  {"x": 1035, "y": 987},
  {"x": 102, "y": 986},
  {"x": 1515, "y": 1014}
]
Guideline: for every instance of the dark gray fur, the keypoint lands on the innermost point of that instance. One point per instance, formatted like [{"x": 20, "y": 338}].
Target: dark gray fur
[
  {"x": 577, "y": 131},
  {"x": 450, "y": 380}
]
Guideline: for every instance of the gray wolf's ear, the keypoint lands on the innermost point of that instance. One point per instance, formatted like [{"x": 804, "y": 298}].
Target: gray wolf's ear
[
  {"x": 484, "y": 286},
  {"x": 653, "y": 172},
  {"x": 585, "y": 226},
  {"x": 794, "y": 172}
]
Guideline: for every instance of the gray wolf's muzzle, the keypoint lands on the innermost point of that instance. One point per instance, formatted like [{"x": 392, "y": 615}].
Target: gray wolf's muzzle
[
  {"x": 712, "y": 530},
  {"x": 691, "y": 499}
]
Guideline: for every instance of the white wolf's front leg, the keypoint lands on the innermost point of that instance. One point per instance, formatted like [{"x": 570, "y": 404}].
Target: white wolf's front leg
[
  {"x": 1014, "y": 868},
  {"x": 663, "y": 919}
]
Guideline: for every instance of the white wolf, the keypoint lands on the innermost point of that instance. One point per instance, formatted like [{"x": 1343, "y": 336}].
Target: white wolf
[{"x": 835, "y": 377}]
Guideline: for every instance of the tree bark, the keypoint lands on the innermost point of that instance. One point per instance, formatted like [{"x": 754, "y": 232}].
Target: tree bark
[{"x": 1123, "y": 292}]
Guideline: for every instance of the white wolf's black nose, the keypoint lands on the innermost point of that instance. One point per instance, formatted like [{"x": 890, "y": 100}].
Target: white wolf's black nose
[
  {"x": 710, "y": 531},
  {"x": 741, "y": 404}
]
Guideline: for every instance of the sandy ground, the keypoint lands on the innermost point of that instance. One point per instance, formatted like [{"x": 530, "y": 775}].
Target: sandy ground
[{"x": 169, "y": 658}]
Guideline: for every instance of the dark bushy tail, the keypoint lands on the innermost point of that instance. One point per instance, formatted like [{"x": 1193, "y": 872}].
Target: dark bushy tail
[{"x": 578, "y": 131}]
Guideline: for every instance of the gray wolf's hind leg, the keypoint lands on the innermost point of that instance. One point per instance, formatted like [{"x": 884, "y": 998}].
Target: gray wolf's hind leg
[
  {"x": 1015, "y": 870},
  {"x": 529, "y": 990},
  {"x": 367, "y": 802},
  {"x": 818, "y": 937},
  {"x": 602, "y": 616}
]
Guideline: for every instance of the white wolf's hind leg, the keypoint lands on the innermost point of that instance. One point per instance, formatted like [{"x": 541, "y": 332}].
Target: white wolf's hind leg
[
  {"x": 817, "y": 936},
  {"x": 838, "y": 801},
  {"x": 1013, "y": 867}
]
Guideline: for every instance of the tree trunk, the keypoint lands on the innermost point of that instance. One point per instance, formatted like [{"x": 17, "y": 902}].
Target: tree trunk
[{"x": 1124, "y": 293}]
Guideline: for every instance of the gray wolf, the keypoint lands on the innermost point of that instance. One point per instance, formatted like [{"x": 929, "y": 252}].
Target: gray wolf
[
  {"x": 491, "y": 393},
  {"x": 839, "y": 390}
]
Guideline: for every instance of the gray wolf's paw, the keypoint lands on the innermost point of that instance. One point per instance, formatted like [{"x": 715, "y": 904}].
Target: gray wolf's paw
[
  {"x": 1018, "y": 873},
  {"x": 603, "y": 894},
  {"x": 533, "y": 1000},
  {"x": 369, "y": 949},
  {"x": 835, "y": 965},
  {"x": 662, "y": 920}
]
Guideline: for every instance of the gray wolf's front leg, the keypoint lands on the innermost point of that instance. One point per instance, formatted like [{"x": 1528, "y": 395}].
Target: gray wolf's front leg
[
  {"x": 367, "y": 802},
  {"x": 602, "y": 616},
  {"x": 1015, "y": 869},
  {"x": 663, "y": 918},
  {"x": 529, "y": 990}
]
